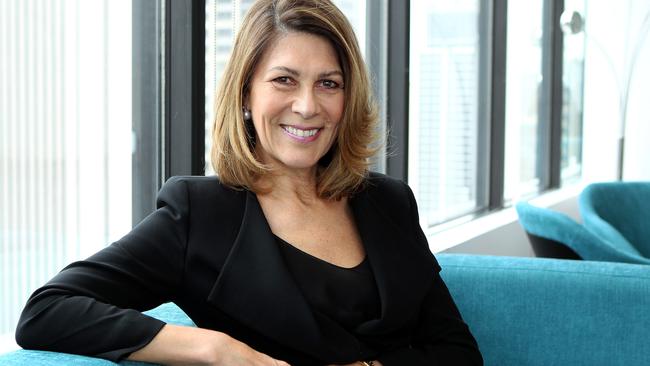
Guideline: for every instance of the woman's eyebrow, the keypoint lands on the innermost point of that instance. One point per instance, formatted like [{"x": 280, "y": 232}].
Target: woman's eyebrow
[
  {"x": 285, "y": 69},
  {"x": 296, "y": 73},
  {"x": 330, "y": 73}
]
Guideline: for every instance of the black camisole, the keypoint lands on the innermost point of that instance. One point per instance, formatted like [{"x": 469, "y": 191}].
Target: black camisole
[{"x": 347, "y": 296}]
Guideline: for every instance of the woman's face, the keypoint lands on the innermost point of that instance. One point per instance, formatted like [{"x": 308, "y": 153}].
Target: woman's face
[{"x": 296, "y": 100}]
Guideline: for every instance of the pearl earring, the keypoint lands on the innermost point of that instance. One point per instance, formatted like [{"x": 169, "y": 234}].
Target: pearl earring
[{"x": 247, "y": 115}]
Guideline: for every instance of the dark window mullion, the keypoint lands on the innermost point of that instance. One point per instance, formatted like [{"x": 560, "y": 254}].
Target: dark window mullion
[
  {"x": 147, "y": 99},
  {"x": 545, "y": 123},
  {"x": 376, "y": 39},
  {"x": 484, "y": 106},
  {"x": 397, "y": 90},
  {"x": 498, "y": 106},
  {"x": 557, "y": 89},
  {"x": 184, "y": 88}
]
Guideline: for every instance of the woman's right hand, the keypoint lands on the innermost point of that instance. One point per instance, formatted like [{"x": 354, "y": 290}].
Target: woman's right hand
[
  {"x": 180, "y": 345},
  {"x": 231, "y": 352}
]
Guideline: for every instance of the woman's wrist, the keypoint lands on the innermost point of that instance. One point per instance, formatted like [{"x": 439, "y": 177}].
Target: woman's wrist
[
  {"x": 180, "y": 345},
  {"x": 370, "y": 363}
]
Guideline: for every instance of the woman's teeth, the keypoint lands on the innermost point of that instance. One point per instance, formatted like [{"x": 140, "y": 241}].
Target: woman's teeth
[{"x": 300, "y": 133}]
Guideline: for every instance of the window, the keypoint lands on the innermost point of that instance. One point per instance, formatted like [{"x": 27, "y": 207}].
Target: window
[
  {"x": 573, "y": 66},
  {"x": 444, "y": 108},
  {"x": 65, "y": 140},
  {"x": 221, "y": 21},
  {"x": 544, "y": 88},
  {"x": 494, "y": 103},
  {"x": 525, "y": 82}
]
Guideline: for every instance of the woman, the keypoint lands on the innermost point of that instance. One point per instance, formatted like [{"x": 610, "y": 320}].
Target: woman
[{"x": 294, "y": 255}]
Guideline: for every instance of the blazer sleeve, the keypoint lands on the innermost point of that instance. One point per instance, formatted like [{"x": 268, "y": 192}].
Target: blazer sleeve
[
  {"x": 441, "y": 337},
  {"x": 93, "y": 307}
]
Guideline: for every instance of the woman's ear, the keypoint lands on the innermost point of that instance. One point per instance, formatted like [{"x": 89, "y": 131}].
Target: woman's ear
[
  {"x": 248, "y": 123},
  {"x": 246, "y": 100},
  {"x": 246, "y": 109}
]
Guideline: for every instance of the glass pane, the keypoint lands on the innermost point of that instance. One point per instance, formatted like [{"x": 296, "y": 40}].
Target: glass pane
[
  {"x": 572, "y": 82},
  {"x": 65, "y": 140},
  {"x": 524, "y": 78},
  {"x": 221, "y": 19},
  {"x": 444, "y": 103},
  {"x": 355, "y": 11}
]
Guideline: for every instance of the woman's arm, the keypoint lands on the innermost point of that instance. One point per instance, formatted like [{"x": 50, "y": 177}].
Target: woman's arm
[
  {"x": 93, "y": 307},
  {"x": 180, "y": 345}
]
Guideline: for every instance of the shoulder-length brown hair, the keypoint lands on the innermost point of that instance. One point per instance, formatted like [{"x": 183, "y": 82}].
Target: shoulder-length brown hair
[{"x": 344, "y": 168}]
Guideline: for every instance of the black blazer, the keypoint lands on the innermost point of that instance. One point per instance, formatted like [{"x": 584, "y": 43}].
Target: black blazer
[{"x": 209, "y": 249}]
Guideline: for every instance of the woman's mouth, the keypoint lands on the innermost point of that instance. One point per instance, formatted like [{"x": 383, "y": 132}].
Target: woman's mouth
[{"x": 302, "y": 135}]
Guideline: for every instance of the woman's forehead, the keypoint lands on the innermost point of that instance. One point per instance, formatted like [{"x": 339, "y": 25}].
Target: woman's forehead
[{"x": 300, "y": 53}]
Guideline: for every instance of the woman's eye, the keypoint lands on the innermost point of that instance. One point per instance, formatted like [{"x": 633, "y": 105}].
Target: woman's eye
[
  {"x": 330, "y": 84},
  {"x": 282, "y": 80}
]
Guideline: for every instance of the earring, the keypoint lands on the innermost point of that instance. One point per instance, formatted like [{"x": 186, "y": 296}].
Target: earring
[{"x": 247, "y": 115}]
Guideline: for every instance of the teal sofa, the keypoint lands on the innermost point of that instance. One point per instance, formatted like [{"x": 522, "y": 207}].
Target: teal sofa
[
  {"x": 542, "y": 311},
  {"x": 522, "y": 311}
]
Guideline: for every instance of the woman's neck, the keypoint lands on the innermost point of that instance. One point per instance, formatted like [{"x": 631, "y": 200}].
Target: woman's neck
[{"x": 298, "y": 185}]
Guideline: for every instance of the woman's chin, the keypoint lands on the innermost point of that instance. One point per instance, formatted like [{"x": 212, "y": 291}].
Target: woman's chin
[{"x": 299, "y": 164}]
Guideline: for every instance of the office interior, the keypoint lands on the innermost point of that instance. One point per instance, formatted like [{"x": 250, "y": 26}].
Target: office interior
[{"x": 484, "y": 103}]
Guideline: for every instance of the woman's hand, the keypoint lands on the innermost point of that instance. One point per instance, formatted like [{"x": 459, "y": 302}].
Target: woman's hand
[
  {"x": 178, "y": 345},
  {"x": 375, "y": 363},
  {"x": 231, "y": 352}
]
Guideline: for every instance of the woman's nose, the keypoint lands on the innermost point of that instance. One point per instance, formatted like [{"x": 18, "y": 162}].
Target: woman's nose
[{"x": 306, "y": 104}]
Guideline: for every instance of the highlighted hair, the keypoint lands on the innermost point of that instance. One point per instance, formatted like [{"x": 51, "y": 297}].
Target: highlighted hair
[{"x": 344, "y": 168}]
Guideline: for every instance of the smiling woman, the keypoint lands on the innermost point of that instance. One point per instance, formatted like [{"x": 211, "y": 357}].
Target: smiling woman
[
  {"x": 296, "y": 102},
  {"x": 344, "y": 165},
  {"x": 295, "y": 254}
]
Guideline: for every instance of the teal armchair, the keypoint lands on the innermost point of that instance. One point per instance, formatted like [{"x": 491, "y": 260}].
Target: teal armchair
[
  {"x": 619, "y": 212},
  {"x": 549, "y": 231}
]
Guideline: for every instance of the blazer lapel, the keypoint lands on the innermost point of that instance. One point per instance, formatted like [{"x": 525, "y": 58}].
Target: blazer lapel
[
  {"x": 399, "y": 268},
  {"x": 256, "y": 288}
]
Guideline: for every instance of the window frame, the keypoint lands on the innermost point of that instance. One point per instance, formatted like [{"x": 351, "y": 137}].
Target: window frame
[
  {"x": 494, "y": 48},
  {"x": 147, "y": 99},
  {"x": 168, "y": 99}
]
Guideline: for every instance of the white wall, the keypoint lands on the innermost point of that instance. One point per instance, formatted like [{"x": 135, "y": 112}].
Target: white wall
[
  {"x": 615, "y": 33},
  {"x": 637, "y": 137}
]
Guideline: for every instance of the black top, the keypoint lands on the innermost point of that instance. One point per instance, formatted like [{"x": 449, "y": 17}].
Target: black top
[
  {"x": 209, "y": 249},
  {"x": 348, "y": 296}
]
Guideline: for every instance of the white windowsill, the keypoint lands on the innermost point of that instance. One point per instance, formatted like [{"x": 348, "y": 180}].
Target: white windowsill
[{"x": 459, "y": 231}]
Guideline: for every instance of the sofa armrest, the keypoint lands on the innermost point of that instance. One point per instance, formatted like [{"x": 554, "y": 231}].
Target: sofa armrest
[{"x": 168, "y": 313}]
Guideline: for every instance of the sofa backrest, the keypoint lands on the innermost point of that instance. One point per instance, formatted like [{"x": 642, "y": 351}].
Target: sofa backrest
[{"x": 536, "y": 311}]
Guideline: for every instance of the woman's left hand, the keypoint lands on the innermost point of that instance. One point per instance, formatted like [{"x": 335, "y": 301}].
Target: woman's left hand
[{"x": 375, "y": 363}]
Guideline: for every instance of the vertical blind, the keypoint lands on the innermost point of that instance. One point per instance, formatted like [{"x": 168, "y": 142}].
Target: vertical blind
[{"x": 65, "y": 139}]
